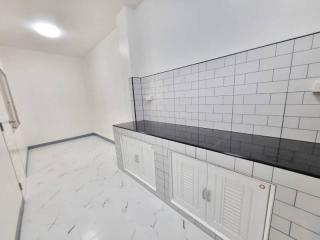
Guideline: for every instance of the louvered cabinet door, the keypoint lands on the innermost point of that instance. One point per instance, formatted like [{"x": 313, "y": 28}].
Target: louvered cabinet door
[
  {"x": 237, "y": 205},
  {"x": 189, "y": 179}
]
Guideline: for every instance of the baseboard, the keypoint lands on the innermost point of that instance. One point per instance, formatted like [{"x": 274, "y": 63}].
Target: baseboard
[
  {"x": 19, "y": 223},
  {"x": 27, "y": 161},
  {"x": 59, "y": 141},
  {"x": 104, "y": 138}
]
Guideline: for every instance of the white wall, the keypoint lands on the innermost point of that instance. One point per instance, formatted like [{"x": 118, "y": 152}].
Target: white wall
[
  {"x": 49, "y": 92},
  {"x": 108, "y": 86},
  {"x": 170, "y": 34}
]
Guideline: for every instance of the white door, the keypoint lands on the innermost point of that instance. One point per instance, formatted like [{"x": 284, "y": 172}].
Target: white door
[
  {"x": 236, "y": 204},
  {"x": 189, "y": 180},
  {"x": 10, "y": 197}
]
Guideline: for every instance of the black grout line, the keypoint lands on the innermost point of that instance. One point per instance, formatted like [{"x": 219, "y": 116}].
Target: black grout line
[{"x": 134, "y": 100}]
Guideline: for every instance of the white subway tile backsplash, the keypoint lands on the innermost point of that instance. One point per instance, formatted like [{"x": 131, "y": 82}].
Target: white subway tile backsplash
[
  {"x": 298, "y": 232},
  {"x": 275, "y": 121},
  {"x": 245, "y": 89},
  {"x": 299, "y": 134},
  {"x": 241, "y": 57},
  {"x": 287, "y": 195},
  {"x": 264, "y": 76},
  {"x": 214, "y": 100},
  {"x": 201, "y": 154},
  {"x": 262, "y": 171},
  {"x": 206, "y": 75},
  {"x": 298, "y": 216},
  {"x": 303, "y": 110},
  {"x": 216, "y": 63},
  {"x": 295, "y": 98},
  {"x": 247, "y": 67},
  {"x": 256, "y": 99},
  {"x": 206, "y": 108},
  {"x": 230, "y": 60},
  {"x": 206, "y": 124},
  {"x": 280, "y": 61},
  {"x": 277, "y": 235},
  {"x": 310, "y": 123},
  {"x": 300, "y": 85},
  {"x": 308, "y": 203},
  {"x": 267, "y": 131},
  {"x": 242, "y": 128},
  {"x": 304, "y": 43},
  {"x": 311, "y": 98},
  {"x": 263, "y": 52},
  {"x": 243, "y": 166},
  {"x": 318, "y": 137},
  {"x": 285, "y": 47},
  {"x": 316, "y": 41},
  {"x": 254, "y": 119},
  {"x": 272, "y": 110},
  {"x": 299, "y": 72},
  {"x": 257, "y": 91},
  {"x": 222, "y": 160},
  {"x": 224, "y": 91},
  {"x": 222, "y": 108},
  {"x": 226, "y": 71},
  {"x": 273, "y": 87},
  {"x": 278, "y": 98},
  {"x": 291, "y": 122},
  {"x": 228, "y": 81},
  {"x": 297, "y": 181},
  {"x": 237, "y": 118},
  {"x": 280, "y": 224},
  {"x": 306, "y": 57},
  {"x": 314, "y": 70},
  {"x": 239, "y": 79},
  {"x": 243, "y": 109},
  {"x": 281, "y": 74}
]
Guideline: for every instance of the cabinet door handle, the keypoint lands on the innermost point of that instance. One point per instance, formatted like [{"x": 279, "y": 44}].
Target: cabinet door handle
[
  {"x": 136, "y": 158},
  {"x": 209, "y": 196},
  {"x": 204, "y": 193}
]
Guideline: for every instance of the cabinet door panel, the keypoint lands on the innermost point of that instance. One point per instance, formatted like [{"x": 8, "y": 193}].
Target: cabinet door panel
[
  {"x": 238, "y": 204},
  {"x": 148, "y": 169},
  {"x": 131, "y": 151},
  {"x": 189, "y": 178},
  {"x": 138, "y": 159}
]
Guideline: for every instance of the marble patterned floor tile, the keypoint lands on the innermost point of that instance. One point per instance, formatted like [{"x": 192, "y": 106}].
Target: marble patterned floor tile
[{"x": 75, "y": 191}]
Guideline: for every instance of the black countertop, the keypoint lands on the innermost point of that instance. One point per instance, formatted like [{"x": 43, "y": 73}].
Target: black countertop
[{"x": 297, "y": 156}]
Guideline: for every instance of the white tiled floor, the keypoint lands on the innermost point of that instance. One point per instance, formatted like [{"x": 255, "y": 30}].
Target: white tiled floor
[{"x": 75, "y": 191}]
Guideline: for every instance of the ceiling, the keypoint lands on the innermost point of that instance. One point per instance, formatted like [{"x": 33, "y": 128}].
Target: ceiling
[{"x": 84, "y": 23}]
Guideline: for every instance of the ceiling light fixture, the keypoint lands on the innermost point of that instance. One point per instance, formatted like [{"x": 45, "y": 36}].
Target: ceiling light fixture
[{"x": 47, "y": 29}]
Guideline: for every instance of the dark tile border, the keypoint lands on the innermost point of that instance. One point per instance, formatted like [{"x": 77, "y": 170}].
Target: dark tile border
[
  {"x": 104, "y": 138},
  {"x": 19, "y": 223}
]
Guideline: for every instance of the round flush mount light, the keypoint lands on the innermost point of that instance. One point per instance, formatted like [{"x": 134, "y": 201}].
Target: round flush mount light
[{"x": 47, "y": 29}]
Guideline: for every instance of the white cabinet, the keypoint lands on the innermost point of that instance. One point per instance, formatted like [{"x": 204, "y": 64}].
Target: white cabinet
[
  {"x": 189, "y": 184},
  {"x": 236, "y": 204},
  {"x": 231, "y": 204},
  {"x": 138, "y": 159}
]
